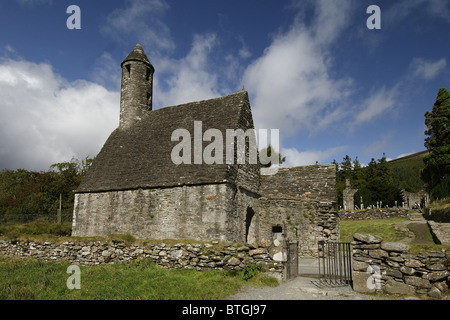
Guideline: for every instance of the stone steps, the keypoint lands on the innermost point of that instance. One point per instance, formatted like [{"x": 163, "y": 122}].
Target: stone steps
[{"x": 416, "y": 217}]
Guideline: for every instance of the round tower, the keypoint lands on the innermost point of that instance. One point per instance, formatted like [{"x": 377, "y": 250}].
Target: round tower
[{"x": 136, "y": 87}]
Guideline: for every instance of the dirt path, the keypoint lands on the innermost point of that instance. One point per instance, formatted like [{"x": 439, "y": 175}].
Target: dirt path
[
  {"x": 416, "y": 230},
  {"x": 304, "y": 287}
]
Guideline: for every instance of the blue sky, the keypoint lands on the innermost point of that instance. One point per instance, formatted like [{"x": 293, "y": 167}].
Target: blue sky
[{"x": 312, "y": 69}]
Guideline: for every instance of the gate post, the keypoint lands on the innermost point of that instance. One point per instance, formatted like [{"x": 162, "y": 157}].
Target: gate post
[{"x": 292, "y": 259}]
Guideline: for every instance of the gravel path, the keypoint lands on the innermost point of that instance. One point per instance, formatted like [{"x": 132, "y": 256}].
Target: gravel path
[{"x": 304, "y": 287}]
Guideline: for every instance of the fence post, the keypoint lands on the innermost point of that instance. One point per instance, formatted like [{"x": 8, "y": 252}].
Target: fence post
[{"x": 58, "y": 212}]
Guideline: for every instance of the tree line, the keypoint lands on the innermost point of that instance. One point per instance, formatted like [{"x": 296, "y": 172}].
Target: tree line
[
  {"x": 378, "y": 182},
  {"x": 374, "y": 182},
  {"x": 24, "y": 192}
]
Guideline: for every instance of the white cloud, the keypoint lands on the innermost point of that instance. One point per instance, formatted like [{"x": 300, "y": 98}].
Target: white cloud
[
  {"x": 404, "y": 155},
  {"x": 402, "y": 9},
  {"x": 291, "y": 83},
  {"x": 189, "y": 78},
  {"x": 427, "y": 69},
  {"x": 331, "y": 17},
  {"x": 107, "y": 72},
  {"x": 141, "y": 19},
  {"x": 302, "y": 158},
  {"x": 244, "y": 52},
  {"x": 379, "y": 146},
  {"x": 45, "y": 119},
  {"x": 381, "y": 101}
]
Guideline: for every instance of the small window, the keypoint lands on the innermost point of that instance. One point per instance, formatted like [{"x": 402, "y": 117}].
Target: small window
[
  {"x": 128, "y": 69},
  {"x": 277, "y": 229},
  {"x": 149, "y": 99},
  {"x": 147, "y": 74}
]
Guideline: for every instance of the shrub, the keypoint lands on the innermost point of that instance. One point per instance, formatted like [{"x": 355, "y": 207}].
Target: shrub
[{"x": 250, "y": 271}]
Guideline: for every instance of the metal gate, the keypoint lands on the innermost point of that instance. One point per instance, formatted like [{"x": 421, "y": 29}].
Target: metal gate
[
  {"x": 335, "y": 264},
  {"x": 292, "y": 259}
]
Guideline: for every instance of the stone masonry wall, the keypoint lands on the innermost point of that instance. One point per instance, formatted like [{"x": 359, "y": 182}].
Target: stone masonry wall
[
  {"x": 204, "y": 213},
  {"x": 388, "y": 267},
  {"x": 300, "y": 202},
  {"x": 370, "y": 214},
  {"x": 199, "y": 256}
]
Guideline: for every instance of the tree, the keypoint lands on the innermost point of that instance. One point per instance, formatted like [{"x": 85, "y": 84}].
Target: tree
[
  {"x": 27, "y": 192},
  {"x": 374, "y": 182},
  {"x": 346, "y": 166},
  {"x": 265, "y": 155},
  {"x": 437, "y": 162}
]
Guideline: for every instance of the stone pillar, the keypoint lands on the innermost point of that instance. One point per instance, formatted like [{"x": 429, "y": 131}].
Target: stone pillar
[{"x": 348, "y": 193}]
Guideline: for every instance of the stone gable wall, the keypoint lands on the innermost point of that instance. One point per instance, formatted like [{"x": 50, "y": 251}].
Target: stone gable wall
[{"x": 301, "y": 201}]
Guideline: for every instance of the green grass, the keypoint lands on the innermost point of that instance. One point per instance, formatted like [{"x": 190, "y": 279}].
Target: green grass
[
  {"x": 36, "y": 230},
  {"x": 38, "y": 280},
  {"x": 442, "y": 205},
  {"x": 384, "y": 228}
]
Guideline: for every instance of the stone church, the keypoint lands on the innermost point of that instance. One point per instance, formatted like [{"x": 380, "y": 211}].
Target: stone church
[{"x": 134, "y": 186}]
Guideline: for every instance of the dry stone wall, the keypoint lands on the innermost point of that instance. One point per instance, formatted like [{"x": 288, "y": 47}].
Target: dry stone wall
[
  {"x": 198, "y": 256},
  {"x": 388, "y": 267},
  {"x": 370, "y": 214}
]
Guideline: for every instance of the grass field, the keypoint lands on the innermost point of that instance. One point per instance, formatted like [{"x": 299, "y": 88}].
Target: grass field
[
  {"x": 384, "y": 228},
  {"x": 38, "y": 280}
]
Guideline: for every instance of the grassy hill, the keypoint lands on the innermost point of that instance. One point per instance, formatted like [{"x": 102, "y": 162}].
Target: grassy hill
[{"x": 406, "y": 171}]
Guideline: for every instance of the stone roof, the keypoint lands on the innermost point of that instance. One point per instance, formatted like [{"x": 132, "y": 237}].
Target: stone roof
[
  {"x": 137, "y": 54},
  {"x": 140, "y": 156}
]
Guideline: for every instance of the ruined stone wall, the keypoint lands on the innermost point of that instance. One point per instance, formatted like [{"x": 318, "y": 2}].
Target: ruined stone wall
[
  {"x": 414, "y": 199},
  {"x": 301, "y": 203},
  {"x": 204, "y": 212}
]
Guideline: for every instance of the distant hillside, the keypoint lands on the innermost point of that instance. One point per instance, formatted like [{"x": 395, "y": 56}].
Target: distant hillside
[{"x": 406, "y": 171}]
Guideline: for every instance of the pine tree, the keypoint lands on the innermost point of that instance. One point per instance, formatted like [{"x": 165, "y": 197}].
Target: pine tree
[{"x": 437, "y": 162}]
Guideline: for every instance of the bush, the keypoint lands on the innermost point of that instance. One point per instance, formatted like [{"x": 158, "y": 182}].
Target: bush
[
  {"x": 250, "y": 271},
  {"x": 441, "y": 190},
  {"x": 36, "y": 228}
]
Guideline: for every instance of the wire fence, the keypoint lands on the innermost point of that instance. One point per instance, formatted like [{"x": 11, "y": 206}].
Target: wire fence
[{"x": 9, "y": 219}]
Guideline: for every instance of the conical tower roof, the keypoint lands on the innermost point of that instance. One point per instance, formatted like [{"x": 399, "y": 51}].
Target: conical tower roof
[{"x": 137, "y": 54}]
